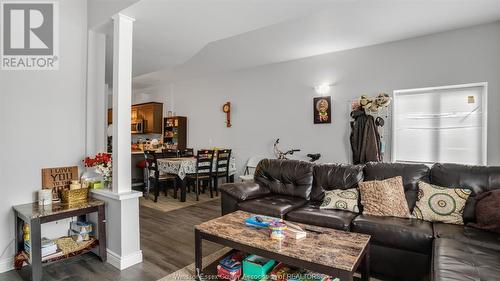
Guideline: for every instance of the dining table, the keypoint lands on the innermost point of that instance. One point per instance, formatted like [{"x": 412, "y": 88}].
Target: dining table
[{"x": 182, "y": 166}]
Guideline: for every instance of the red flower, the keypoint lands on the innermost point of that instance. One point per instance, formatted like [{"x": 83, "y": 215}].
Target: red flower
[{"x": 100, "y": 158}]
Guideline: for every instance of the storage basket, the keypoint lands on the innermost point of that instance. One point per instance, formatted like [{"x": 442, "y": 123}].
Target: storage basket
[{"x": 75, "y": 196}]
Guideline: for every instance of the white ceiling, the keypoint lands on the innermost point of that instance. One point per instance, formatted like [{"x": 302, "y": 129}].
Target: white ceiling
[
  {"x": 178, "y": 39},
  {"x": 169, "y": 32}
]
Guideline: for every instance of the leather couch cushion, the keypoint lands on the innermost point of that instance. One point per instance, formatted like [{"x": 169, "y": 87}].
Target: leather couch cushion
[
  {"x": 454, "y": 260},
  {"x": 311, "y": 214},
  {"x": 411, "y": 174},
  {"x": 334, "y": 176},
  {"x": 272, "y": 205},
  {"x": 477, "y": 178},
  {"x": 467, "y": 234},
  {"x": 406, "y": 234},
  {"x": 242, "y": 191},
  {"x": 285, "y": 177}
]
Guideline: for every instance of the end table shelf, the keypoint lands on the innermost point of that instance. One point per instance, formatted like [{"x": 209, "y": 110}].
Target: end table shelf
[{"x": 35, "y": 215}]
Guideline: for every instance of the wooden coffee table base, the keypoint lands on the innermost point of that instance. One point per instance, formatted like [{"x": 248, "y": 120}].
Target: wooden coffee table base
[{"x": 343, "y": 275}]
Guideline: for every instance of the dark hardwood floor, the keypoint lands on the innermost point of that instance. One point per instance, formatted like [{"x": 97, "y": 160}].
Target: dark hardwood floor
[{"x": 167, "y": 242}]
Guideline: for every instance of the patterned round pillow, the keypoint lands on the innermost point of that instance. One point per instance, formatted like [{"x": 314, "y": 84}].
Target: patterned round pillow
[
  {"x": 440, "y": 204},
  {"x": 338, "y": 199}
]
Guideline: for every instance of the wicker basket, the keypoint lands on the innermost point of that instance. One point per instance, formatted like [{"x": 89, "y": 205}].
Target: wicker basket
[{"x": 75, "y": 196}]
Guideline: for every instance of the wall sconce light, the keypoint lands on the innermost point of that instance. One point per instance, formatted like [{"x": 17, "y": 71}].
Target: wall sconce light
[{"x": 323, "y": 89}]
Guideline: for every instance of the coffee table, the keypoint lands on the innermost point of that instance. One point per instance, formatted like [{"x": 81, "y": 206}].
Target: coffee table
[{"x": 332, "y": 252}]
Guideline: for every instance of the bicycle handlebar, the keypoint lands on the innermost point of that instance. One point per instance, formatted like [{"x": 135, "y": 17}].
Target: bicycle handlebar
[{"x": 291, "y": 151}]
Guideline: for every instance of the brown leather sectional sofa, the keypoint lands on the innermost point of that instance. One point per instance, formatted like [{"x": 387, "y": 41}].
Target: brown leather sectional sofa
[{"x": 402, "y": 249}]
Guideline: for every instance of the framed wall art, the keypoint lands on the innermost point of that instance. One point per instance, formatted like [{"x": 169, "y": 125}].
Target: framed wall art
[{"x": 322, "y": 108}]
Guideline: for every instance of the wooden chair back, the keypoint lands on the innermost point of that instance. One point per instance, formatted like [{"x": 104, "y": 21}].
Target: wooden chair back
[
  {"x": 171, "y": 153},
  {"x": 222, "y": 164},
  {"x": 151, "y": 163},
  {"x": 188, "y": 152},
  {"x": 204, "y": 162}
]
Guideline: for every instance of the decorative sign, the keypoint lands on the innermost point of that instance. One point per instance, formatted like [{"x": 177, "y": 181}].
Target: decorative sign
[
  {"x": 58, "y": 179},
  {"x": 322, "y": 110}
]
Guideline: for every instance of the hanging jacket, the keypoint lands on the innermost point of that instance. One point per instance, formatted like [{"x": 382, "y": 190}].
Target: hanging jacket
[{"x": 365, "y": 139}]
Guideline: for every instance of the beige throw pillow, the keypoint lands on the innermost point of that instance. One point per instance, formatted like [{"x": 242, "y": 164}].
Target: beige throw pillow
[
  {"x": 384, "y": 198},
  {"x": 338, "y": 199},
  {"x": 440, "y": 204}
]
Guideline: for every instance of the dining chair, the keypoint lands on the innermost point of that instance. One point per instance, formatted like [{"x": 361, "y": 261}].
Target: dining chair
[
  {"x": 157, "y": 177},
  {"x": 171, "y": 153},
  {"x": 204, "y": 162},
  {"x": 221, "y": 168},
  {"x": 250, "y": 168},
  {"x": 188, "y": 152}
]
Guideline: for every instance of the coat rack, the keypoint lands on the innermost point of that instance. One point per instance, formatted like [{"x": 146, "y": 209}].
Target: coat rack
[{"x": 378, "y": 107}]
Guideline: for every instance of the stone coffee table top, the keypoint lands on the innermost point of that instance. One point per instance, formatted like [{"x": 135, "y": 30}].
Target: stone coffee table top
[{"x": 332, "y": 248}]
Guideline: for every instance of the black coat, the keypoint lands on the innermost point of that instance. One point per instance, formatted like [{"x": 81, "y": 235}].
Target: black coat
[{"x": 365, "y": 139}]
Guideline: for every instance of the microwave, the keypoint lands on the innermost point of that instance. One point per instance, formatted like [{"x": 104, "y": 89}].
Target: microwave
[{"x": 137, "y": 126}]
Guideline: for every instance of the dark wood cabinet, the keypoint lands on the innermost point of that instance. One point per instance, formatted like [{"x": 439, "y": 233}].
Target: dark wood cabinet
[
  {"x": 151, "y": 113},
  {"x": 110, "y": 116},
  {"x": 175, "y": 131}
]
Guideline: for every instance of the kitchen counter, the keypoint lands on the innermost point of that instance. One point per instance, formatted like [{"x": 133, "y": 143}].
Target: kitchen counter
[{"x": 140, "y": 152}]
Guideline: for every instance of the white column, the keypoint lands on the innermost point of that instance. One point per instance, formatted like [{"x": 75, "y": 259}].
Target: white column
[
  {"x": 122, "y": 203},
  {"x": 96, "y": 94},
  {"x": 122, "y": 102}
]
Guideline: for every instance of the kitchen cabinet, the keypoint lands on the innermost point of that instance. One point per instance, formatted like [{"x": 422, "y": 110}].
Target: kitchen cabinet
[
  {"x": 110, "y": 116},
  {"x": 134, "y": 113},
  {"x": 151, "y": 113}
]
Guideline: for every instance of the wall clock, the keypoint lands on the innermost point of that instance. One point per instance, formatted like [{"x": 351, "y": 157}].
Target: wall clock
[{"x": 226, "y": 108}]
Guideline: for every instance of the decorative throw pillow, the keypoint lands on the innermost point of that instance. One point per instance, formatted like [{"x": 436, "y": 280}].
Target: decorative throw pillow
[
  {"x": 487, "y": 214},
  {"x": 338, "y": 199},
  {"x": 384, "y": 198},
  {"x": 440, "y": 204}
]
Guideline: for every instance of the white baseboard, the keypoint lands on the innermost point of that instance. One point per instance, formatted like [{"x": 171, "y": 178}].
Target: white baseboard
[
  {"x": 124, "y": 262},
  {"x": 114, "y": 259},
  {"x": 6, "y": 264}
]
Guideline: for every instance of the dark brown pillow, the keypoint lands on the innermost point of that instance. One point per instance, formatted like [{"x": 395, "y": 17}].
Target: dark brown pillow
[{"x": 487, "y": 214}]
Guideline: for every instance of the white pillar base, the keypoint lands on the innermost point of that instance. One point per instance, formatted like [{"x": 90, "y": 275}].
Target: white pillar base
[
  {"x": 123, "y": 262},
  {"x": 122, "y": 227}
]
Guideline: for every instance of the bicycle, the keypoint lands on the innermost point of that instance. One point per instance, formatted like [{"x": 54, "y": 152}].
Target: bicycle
[{"x": 284, "y": 155}]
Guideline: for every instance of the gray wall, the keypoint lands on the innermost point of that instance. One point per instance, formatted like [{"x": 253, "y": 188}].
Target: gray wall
[
  {"x": 276, "y": 100},
  {"x": 43, "y": 125}
]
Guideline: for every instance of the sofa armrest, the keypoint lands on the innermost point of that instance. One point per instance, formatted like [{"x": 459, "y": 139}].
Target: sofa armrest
[{"x": 242, "y": 191}]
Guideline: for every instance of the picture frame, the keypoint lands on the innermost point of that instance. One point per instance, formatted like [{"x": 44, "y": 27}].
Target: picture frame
[{"x": 322, "y": 110}]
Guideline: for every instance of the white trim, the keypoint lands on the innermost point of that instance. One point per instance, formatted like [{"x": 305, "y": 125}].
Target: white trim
[
  {"x": 116, "y": 196},
  {"x": 485, "y": 122},
  {"x": 484, "y": 107},
  {"x": 448, "y": 87},
  {"x": 6, "y": 264},
  {"x": 393, "y": 126},
  {"x": 123, "y": 262},
  {"x": 120, "y": 15}
]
